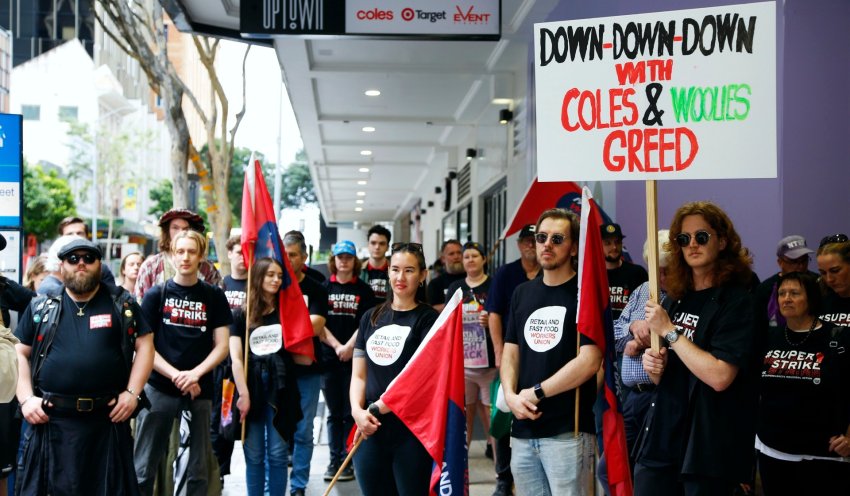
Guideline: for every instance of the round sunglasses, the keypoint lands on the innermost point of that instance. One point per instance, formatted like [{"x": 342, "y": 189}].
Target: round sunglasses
[{"x": 701, "y": 237}]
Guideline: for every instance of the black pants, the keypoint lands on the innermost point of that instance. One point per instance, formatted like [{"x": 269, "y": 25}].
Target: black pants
[
  {"x": 335, "y": 384},
  {"x": 651, "y": 481},
  {"x": 503, "y": 459},
  {"x": 393, "y": 462},
  {"x": 781, "y": 478}
]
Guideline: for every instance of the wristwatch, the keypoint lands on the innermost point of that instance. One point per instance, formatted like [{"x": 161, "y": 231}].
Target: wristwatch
[
  {"x": 538, "y": 391},
  {"x": 672, "y": 336}
]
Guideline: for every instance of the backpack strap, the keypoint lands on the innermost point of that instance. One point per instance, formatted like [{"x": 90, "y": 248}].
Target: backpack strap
[{"x": 46, "y": 311}]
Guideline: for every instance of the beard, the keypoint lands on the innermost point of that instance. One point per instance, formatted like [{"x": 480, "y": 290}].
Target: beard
[
  {"x": 455, "y": 268},
  {"x": 80, "y": 282},
  {"x": 613, "y": 259}
]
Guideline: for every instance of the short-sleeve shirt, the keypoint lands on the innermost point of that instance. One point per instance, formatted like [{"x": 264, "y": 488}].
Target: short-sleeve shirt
[
  {"x": 622, "y": 281},
  {"x": 477, "y": 343},
  {"x": 347, "y": 302},
  {"x": 439, "y": 286},
  {"x": 184, "y": 320},
  {"x": 236, "y": 290},
  {"x": 542, "y": 324},
  {"x": 13, "y": 296},
  {"x": 316, "y": 298},
  {"x": 506, "y": 280},
  {"x": 378, "y": 278},
  {"x": 85, "y": 357},
  {"x": 390, "y": 343},
  {"x": 836, "y": 309}
]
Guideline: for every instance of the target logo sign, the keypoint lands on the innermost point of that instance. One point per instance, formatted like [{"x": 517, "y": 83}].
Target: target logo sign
[{"x": 408, "y": 14}]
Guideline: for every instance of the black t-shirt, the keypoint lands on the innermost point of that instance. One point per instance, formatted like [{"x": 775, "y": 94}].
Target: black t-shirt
[
  {"x": 390, "y": 343},
  {"x": 621, "y": 282},
  {"x": 439, "y": 286},
  {"x": 184, "y": 320},
  {"x": 836, "y": 309},
  {"x": 85, "y": 357},
  {"x": 316, "y": 298},
  {"x": 378, "y": 278},
  {"x": 477, "y": 343},
  {"x": 236, "y": 290},
  {"x": 347, "y": 302},
  {"x": 543, "y": 324},
  {"x": 314, "y": 274},
  {"x": 13, "y": 296},
  {"x": 804, "y": 386}
]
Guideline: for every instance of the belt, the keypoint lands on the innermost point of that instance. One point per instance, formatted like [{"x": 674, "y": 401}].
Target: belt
[
  {"x": 643, "y": 388},
  {"x": 77, "y": 403}
]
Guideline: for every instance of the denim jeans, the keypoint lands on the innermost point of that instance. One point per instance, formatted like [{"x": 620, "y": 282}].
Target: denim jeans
[
  {"x": 264, "y": 450},
  {"x": 558, "y": 465},
  {"x": 335, "y": 384},
  {"x": 153, "y": 428},
  {"x": 308, "y": 386}
]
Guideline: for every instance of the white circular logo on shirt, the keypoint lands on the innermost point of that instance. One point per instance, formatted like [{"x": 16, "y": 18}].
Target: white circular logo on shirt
[
  {"x": 266, "y": 340},
  {"x": 385, "y": 345},
  {"x": 545, "y": 328}
]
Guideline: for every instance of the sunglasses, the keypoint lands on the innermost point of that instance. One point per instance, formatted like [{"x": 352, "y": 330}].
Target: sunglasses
[
  {"x": 557, "y": 239},
  {"x": 414, "y": 247},
  {"x": 835, "y": 238},
  {"x": 74, "y": 259},
  {"x": 701, "y": 237}
]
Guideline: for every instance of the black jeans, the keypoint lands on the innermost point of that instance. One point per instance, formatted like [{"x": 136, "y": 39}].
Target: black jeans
[
  {"x": 781, "y": 478},
  {"x": 651, "y": 481},
  {"x": 393, "y": 462},
  {"x": 335, "y": 384}
]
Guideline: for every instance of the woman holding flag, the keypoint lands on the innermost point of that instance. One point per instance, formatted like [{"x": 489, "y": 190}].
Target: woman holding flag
[
  {"x": 268, "y": 395},
  {"x": 391, "y": 460}
]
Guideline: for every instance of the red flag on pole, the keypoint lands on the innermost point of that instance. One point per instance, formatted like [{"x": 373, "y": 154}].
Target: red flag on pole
[
  {"x": 594, "y": 321},
  {"x": 260, "y": 238},
  {"x": 428, "y": 396}
]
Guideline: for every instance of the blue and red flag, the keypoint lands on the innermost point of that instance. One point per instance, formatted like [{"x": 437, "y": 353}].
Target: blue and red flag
[
  {"x": 428, "y": 397},
  {"x": 260, "y": 238},
  {"x": 594, "y": 320}
]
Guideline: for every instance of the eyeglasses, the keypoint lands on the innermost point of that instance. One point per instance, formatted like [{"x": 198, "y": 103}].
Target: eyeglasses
[
  {"x": 557, "y": 238},
  {"x": 701, "y": 237},
  {"x": 835, "y": 238},
  {"x": 74, "y": 259},
  {"x": 414, "y": 247}
]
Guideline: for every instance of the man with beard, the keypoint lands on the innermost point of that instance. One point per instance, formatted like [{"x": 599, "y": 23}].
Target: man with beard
[
  {"x": 84, "y": 357},
  {"x": 544, "y": 376},
  {"x": 451, "y": 254},
  {"x": 75, "y": 226},
  {"x": 623, "y": 276}
]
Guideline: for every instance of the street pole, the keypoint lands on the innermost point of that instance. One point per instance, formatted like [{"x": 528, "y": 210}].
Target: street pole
[{"x": 277, "y": 170}]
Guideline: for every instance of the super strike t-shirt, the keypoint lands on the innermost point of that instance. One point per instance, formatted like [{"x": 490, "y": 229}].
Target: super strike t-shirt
[
  {"x": 477, "y": 343},
  {"x": 347, "y": 302},
  {"x": 621, "y": 282},
  {"x": 236, "y": 290},
  {"x": 184, "y": 319},
  {"x": 543, "y": 324},
  {"x": 85, "y": 357},
  {"x": 390, "y": 342},
  {"x": 836, "y": 309}
]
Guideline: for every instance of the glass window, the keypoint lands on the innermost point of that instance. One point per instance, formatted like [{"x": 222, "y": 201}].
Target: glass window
[
  {"x": 31, "y": 112},
  {"x": 67, "y": 113}
]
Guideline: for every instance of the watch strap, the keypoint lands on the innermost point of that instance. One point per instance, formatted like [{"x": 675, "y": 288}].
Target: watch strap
[{"x": 538, "y": 391}]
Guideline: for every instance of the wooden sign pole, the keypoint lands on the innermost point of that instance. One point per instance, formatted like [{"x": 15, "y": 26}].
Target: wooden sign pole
[{"x": 652, "y": 239}]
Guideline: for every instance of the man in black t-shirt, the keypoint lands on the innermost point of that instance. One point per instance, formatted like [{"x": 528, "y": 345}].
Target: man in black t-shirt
[
  {"x": 83, "y": 359},
  {"x": 451, "y": 254},
  {"x": 376, "y": 270},
  {"x": 190, "y": 319},
  {"x": 543, "y": 376},
  {"x": 623, "y": 277},
  {"x": 308, "y": 376}
]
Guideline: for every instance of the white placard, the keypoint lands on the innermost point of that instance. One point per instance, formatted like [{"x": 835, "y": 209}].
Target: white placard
[{"x": 688, "y": 94}]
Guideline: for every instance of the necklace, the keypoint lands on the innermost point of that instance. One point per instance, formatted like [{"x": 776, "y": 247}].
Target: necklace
[
  {"x": 808, "y": 333},
  {"x": 80, "y": 308}
]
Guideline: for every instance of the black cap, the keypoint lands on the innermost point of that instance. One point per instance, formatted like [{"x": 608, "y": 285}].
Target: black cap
[
  {"x": 2, "y": 242},
  {"x": 527, "y": 231},
  {"x": 77, "y": 245},
  {"x": 610, "y": 230}
]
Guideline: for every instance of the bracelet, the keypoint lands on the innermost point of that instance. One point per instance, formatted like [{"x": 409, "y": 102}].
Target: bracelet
[{"x": 138, "y": 396}]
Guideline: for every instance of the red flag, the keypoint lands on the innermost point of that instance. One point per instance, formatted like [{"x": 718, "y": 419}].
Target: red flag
[
  {"x": 428, "y": 397},
  {"x": 260, "y": 238},
  {"x": 594, "y": 321}
]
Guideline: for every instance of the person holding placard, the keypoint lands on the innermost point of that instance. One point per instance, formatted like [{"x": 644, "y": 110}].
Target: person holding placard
[
  {"x": 268, "y": 396},
  {"x": 697, "y": 438},
  {"x": 834, "y": 268}
]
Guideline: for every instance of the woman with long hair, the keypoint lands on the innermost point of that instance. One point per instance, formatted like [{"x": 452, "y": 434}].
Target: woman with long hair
[
  {"x": 391, "y": 460},
  {"x": 268, "y": 395},
  {"x": 36, "y": 272},
  {"x": 834, "y": 267},
  {"x": 129, "y": 270}
]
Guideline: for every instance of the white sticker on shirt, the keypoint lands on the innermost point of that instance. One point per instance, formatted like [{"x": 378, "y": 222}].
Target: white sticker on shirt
[
  {"x": 266, "y": 340},
  {"x": 386, "y": 344},
  {"x": 100, "y": 321},
  {"x": 545, "y": 328}
]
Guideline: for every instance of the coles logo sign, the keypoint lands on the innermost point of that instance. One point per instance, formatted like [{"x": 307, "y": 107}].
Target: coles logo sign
[{"x": 375, "y": 15}]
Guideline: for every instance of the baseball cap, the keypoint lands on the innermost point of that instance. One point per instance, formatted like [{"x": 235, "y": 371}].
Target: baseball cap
[
  {"x": 612, "y": 230},
  {"x": 792, "y": 247},
  {"x": 344, "y": 246},
  {"x": 77, "y": 245},
  {"x": 527, "y": 231},
  {"x": 472, "y": 245}
]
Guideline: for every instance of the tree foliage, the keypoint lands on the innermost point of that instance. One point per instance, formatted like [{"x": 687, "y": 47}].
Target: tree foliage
[
  {"x": 48, "y": 199},
  {"x": 298, "y": 187}
]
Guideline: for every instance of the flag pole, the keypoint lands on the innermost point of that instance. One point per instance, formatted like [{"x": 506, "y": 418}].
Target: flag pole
[
  {"x": 345, "y": 462},
  {"x": 652, "y": 240},
  {"x": 246, "y": 343},
  {"x": 578, "y": 388}
]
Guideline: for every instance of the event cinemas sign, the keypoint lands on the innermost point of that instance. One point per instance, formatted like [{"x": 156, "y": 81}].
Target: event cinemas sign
[
  {"x": 438, "y": 19},
  {"x": 688, "y": 94}
]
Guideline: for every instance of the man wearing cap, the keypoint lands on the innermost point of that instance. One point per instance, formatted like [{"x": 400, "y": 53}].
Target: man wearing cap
[
  {"x": 792, "y": 255},
  {"x": 83, "y": 358},
  {"x": 75, "y": 226},
  {"x": 451, "y": 254},
  {"x": 623, "y": 276},
  {"x": 348, "y": 299},
  {"x": 159, "y": 268}
]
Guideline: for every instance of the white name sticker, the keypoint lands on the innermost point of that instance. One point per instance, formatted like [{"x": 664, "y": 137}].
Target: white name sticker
[
  {"x": 266, "y": 340},
  {"x": 100, "y": 321},
  {"x": 386, "y": 344},
  {"x": 545, "y": 328}
]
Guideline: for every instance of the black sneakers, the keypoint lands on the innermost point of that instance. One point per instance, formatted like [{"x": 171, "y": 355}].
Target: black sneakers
[{"x": 347, "y": 473}]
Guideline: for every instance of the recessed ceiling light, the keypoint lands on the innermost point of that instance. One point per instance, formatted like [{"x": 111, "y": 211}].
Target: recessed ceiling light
[
  {"x": 361, "y": 183},
  {"x": 359, "y": 202},
  {"x": 365, "y": 153},
  {"x": 363, "y": 169},
  {"x": 361, "y": 193},
  {"x": 368, "y": 129},
  {"x": 373, "y": 92},
  {"x": 358, "y": 209}
]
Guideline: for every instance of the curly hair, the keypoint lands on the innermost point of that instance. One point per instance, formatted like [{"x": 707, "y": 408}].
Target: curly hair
[{"x": 733, "y": 264}]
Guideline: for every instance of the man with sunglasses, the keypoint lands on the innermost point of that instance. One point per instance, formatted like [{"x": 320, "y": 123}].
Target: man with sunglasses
[
  {"x": 792, "y": 255},
  {"x": 451, "y": 254},
  {"x": 544, "y": 376},
  {"x": 83, "y": 360}
]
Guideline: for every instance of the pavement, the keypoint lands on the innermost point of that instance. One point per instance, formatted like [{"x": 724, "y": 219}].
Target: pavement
[{"x": 482, "y": 475}]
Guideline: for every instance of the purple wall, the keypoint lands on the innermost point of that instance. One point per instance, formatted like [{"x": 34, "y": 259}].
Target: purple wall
[{"x": 811, "y": 195}]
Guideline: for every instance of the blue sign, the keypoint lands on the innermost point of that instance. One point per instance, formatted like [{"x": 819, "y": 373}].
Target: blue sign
[{"x": 11, "y": 171}]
